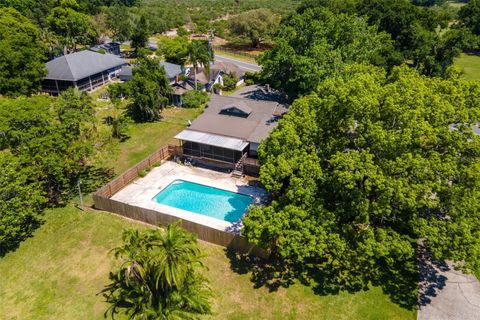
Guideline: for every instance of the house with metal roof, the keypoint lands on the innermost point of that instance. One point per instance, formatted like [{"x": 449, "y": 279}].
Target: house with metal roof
[
  {"x": 230, "y": 130},
  {"x": 85, "y": 70}
]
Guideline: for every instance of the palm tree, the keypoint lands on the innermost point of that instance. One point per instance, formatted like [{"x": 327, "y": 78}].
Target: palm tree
[
  {"x": 199, "y": 54},
  {"x": 158, "y": 278}
]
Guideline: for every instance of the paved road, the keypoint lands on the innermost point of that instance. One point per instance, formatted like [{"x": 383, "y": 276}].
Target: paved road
[
  {"x": 447, "y": 294},
  {"x": 241, "y": 64}
]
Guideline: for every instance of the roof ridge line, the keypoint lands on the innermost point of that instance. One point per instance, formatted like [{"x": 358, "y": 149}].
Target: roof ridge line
[{"x": 69, "y": 67}]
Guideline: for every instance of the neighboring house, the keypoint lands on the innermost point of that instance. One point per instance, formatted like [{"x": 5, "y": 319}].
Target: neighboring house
[
  {"x": 217, "y": 71},
  {"x": 109, "y": 47},
  {"x": 85, "y": 70},
  {"x": 230, "y": 129},
  {"x": 175, "y": 73},
  {"x": 125, "y": 74}
]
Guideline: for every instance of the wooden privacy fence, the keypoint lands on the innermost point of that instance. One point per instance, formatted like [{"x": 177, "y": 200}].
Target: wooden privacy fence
[
  {"x": 131, "y": 174},
  {"x": 102, "y": 200}
]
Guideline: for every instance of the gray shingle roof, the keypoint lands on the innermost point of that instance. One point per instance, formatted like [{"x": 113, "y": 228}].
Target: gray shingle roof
[
  {"x": 254, "y": 128},
  {"x": 172, "y": 69},
  {"x": 79, "y": 65}
]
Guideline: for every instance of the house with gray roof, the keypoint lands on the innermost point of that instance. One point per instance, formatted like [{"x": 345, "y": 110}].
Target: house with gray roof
[
  {"x": 216, "y": 73},
  {"x": 175, "y": 73},
  {"x": 85, "y": 70},
  {"x": 230, "y": 129}
]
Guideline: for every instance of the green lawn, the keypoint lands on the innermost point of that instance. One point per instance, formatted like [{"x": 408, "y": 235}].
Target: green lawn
[
  {"x": 58, "y": 273},
  {"x": 456, "y": 4},
  {"x": 144, "y": 138},
  {"x": 470, "y": 64}
]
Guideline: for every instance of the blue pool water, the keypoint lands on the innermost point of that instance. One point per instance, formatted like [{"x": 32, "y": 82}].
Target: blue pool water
[{"x": 209, "y": 201}]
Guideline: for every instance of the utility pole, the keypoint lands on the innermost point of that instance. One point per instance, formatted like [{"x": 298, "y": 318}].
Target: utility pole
[
  {"x": 211, "y": 38},
  {"x": 80, "y": 193}
]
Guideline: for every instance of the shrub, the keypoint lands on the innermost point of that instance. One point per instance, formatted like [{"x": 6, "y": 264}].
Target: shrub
[
  {"x": 230, "y": 81},
  {"x": 182, "y": 32},
  {"x": 252, "y": 78},
  {"x": 194, "y": 99}
]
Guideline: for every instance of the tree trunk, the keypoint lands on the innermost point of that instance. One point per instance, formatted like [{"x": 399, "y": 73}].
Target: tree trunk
[{"x": 195, "y": 75}]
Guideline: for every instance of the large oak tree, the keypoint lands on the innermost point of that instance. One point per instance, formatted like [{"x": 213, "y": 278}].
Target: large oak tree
[
  {"x": 21, "y": 54},
  {"x": 315, "y": 44},
  {"x": 363, "y": 170}
]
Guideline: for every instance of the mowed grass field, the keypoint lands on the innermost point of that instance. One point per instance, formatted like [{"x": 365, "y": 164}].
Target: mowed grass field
[
  {"x": 470, "y": 65},
  {"x": 59, "y": 272}
]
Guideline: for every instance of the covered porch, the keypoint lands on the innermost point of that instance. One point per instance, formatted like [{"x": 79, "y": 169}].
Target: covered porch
[{"x": 205, "y": 146}]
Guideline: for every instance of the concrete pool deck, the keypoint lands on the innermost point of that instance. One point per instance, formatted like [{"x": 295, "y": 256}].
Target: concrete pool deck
[{"x": 141, "y": 192}]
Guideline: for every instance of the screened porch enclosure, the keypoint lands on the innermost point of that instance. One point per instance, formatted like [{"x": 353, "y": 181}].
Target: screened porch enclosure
[
  {"x": 211, "y": 146},
  {"x": 206, "y": 151}
]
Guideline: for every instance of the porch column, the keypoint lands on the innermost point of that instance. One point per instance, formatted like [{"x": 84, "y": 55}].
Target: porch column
[{"x": 56, "y": 85}]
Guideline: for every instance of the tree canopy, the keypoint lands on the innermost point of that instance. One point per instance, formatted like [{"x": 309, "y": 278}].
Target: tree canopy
[
  {"x": 255, "y": 26},
  {"x": 315, "y": 44},
  {"x": 469, "y": 15},
  {"x": 148, "y": 90},
  {"x": 71, "y": 26},
  {"x": 159, "y": 276},
  {"x": 424, "y": 37},
  {"x": 21, "y": 54},
  {"x": 22, "y": 202},
  {"x": 119, "y": 21},
  {"x": 174, "y": 50},
  {"x": 366, "y": 168},
  {"x": 45, "y": 148},
  {"x": 140, "y": 34}
]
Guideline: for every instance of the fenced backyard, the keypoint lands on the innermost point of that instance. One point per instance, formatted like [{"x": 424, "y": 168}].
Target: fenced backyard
[{"x": 102, "y": 200}]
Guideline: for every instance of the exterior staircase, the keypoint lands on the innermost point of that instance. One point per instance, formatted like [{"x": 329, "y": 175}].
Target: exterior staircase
[{"x": 238, "y": 170}]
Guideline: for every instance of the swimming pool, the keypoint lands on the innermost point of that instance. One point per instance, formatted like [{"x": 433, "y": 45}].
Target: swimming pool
[{"x": 212, "y": 202}]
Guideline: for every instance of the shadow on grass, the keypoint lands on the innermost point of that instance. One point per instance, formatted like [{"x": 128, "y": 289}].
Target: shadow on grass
[
  {"x": 401, "y": 285},
  {"x": 265, "y": 273}
]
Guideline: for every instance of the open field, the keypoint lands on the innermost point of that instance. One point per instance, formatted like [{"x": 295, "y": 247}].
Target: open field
[
  {"x": 470, "y": 64},
  {"x": 58, "y": 273}
]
